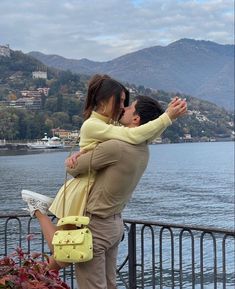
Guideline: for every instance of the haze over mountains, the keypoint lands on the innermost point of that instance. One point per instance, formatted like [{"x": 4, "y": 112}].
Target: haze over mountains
[{"x": 200, "y": 68}]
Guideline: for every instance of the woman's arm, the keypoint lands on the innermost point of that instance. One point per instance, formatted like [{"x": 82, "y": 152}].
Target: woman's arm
[{"x": 96, "y": 130}]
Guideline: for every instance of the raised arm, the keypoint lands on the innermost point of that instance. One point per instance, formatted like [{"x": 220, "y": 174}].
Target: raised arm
[
  {"x": 94, "y": 130},
  {"x": 98, "y": 131}
]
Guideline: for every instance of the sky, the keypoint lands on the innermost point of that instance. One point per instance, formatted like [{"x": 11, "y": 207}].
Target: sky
[{"x": 102, "y": 30}]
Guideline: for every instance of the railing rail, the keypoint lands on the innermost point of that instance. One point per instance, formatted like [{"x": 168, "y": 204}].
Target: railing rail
[{"x": 152, "y": 254}]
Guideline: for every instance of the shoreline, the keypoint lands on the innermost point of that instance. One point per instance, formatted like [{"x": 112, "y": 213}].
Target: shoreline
[{"x": 24, "y": 147}]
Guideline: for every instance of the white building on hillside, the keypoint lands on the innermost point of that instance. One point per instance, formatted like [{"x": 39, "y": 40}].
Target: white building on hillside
[
  {"x": 5, "y": 50},
  {"x": 39, "y": 74}
]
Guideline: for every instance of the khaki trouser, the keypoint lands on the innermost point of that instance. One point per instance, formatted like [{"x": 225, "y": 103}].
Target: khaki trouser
[{"x": 100, "y": 272}]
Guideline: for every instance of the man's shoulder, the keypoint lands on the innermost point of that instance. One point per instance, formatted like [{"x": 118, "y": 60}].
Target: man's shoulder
[
  {"x": 120, "y": 150},
  {"x": 118, "y": 144},
  {"x": 110, "y": 144},
  {"x": 111, "y": 148}
]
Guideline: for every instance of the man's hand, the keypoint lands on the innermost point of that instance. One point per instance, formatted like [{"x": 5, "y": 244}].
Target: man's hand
[
  {"x": 71, "y": 161},
  {"x": 176, "y": 108}
]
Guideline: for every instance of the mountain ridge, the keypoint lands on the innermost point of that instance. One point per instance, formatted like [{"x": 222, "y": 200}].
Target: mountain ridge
[
  {"x": 62, "y": 105},
  {"x": 186, "y": 66}
]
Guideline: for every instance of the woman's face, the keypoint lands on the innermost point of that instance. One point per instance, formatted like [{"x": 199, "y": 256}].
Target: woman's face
[{"x": 108, "y": 107}]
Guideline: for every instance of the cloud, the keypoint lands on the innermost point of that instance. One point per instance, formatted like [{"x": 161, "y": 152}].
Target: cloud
[{"x": 103, "y": 30}]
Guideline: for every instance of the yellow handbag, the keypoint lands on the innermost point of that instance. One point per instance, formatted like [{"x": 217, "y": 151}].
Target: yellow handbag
[
  {"x": 73, "y": 245},
  {"x": 76, "y": 245}
]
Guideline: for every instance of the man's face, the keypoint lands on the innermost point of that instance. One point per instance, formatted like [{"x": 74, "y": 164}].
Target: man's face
[{"x": 128, "y": 116}]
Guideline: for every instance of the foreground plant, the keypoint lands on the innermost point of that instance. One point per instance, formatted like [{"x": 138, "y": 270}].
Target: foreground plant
[{"x": 31, "y": 273}]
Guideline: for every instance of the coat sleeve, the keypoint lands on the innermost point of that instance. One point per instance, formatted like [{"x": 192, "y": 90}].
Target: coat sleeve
[{"x": 104, "y": 155}]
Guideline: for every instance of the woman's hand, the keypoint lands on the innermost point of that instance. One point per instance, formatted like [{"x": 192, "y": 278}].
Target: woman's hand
[
  {"x": 71, "y": 161},
  {"x": 176, "y": 108}
]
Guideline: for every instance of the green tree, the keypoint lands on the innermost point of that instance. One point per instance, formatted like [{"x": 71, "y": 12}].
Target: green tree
[
  {"x": 60, "y": 101},
  {"x": 60, "y": 119},
  {"x": 51, "y": 104},
  {"x": 9, "y": 126}
]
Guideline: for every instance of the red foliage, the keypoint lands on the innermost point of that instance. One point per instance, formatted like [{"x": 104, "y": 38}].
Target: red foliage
[{"x": 31, "y": 274}]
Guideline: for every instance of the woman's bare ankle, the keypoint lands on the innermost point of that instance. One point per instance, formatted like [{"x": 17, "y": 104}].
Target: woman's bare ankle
[{"x": 38, "y": 214}]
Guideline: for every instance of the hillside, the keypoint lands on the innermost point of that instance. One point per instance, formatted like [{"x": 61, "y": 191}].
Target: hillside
[
  {"x": 202, "y": 69},
  {"x": 31, "y": 107},
  {"x": 62, "y": 106}
]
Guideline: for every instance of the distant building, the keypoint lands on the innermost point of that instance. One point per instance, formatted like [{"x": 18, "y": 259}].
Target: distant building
[
  {"x": 187, "y": 137},
  {"x": 39, "y": 74},
  {"x": 79, "y": 94},
  {"x": 65, "y": 134},
  {"x": 5, "y": 50},
  {"x": 232, "y": 136},
  {"x": 156, "y": 140},
  {"x": 133, "y": 92},
  {"x": 16, "y": 75},
  {"x": 28, "y": 103},
  {"x": 202, "y": 118},
  {"x": 35, "y": 93},
  {"x": 44, "y": 90},
  {"x": 31, "y": 93}
]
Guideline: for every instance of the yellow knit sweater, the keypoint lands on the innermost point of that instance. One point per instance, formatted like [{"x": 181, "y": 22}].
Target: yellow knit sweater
[{"x": 96, "y": 129}]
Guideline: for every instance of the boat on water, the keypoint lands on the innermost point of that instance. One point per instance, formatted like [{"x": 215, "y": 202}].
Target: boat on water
[{"x": 47, "y": 143}]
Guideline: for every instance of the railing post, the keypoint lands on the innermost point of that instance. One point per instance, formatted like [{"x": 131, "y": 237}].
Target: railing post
[{"x": 132, "y": 256}]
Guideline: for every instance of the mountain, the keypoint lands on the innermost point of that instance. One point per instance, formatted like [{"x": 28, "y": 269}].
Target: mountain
[
  {"x": 62, "y": 105},
  {"x": 203, "y": 69}
]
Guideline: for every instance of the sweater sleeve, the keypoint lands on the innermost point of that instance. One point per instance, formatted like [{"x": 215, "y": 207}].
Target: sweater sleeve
[
  {"x": 98, "y": 131},
  {"x": 156, "y": 135},
  {"x": 104, "y": 155}
]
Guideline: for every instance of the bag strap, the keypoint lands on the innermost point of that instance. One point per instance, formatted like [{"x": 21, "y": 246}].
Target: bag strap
[
  {"x": 66, "y": 176},
  {"x": 88, "y": 181}
]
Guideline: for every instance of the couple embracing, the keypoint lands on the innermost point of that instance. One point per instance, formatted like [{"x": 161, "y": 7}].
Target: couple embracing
[{"x": 114, "y": 145}]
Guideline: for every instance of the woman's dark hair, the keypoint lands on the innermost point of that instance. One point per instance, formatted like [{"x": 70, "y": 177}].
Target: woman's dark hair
[
  {"x": 102, "y": 88},
  {"x": 147, "y": 108}
]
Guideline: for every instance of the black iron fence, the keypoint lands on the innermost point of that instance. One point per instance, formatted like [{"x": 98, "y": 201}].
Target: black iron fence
[{"x": 151, "y": 255}]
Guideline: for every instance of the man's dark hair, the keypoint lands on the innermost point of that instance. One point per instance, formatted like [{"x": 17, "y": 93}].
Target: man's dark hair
[{"x": 147, "y": 108}]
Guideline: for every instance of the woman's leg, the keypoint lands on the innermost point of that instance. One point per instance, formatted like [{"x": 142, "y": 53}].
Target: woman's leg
[
  {"x": 47, "y": 227},
  {"x": 48, "y": 230},
  {"x": 38, "y": 206}
]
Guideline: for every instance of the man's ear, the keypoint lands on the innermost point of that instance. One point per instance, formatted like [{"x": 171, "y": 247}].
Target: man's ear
[{"x": 136, "y": 120}]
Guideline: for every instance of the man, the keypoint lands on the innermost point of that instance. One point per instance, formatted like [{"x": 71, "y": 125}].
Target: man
[{"x": 119, "y": 167}]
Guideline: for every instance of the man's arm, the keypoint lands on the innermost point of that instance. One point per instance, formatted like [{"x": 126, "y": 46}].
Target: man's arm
[{"x": 105, "y": 154}]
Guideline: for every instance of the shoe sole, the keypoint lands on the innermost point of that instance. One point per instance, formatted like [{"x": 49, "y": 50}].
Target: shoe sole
[{"x": 26, "y": 194}]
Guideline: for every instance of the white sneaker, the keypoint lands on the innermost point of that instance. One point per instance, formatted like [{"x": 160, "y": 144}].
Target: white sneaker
[{"x": 36, "y": 201}]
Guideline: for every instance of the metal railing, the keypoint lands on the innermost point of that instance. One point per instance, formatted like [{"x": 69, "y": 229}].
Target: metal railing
[
  {"x": 177, "y": 256},
  {"x": 151, "y": 255}
]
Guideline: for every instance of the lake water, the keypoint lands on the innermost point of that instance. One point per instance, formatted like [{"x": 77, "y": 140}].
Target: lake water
[{"x": 188, "y": 183}]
